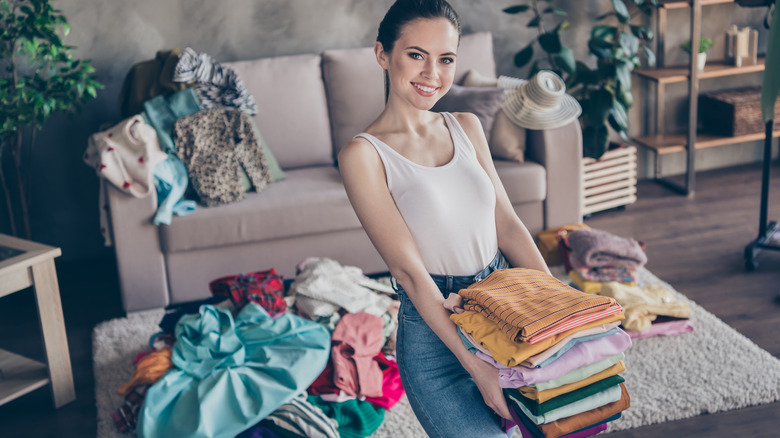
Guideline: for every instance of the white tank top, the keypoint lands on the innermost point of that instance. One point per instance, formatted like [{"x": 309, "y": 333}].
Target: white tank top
[{"x": 449, "y": 209}]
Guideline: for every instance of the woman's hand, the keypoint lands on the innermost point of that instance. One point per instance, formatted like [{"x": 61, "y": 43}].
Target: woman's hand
[{"x": 486, "y": 378}]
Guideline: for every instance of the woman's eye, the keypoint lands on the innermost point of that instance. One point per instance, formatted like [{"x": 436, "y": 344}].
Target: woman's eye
[
  {"x": 447, "y": 60},
  {"x": 415, "y": 55}
]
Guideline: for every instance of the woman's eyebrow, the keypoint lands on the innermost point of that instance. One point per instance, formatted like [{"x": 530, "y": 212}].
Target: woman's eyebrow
[{"x": 419, "y": 49}]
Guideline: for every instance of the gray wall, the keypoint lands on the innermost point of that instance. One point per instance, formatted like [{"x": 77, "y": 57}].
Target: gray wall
[{"x": 116, "y": 34}]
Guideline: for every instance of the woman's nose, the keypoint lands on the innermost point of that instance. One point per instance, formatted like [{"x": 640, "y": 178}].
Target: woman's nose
[{"x": 430, "y": 70}]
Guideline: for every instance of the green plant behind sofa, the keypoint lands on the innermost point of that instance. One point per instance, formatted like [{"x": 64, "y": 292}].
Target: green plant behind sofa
[{"x": 39, "y": 77}]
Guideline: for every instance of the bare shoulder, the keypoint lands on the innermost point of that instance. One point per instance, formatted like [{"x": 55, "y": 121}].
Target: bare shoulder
[
  {"x": 358, "y": 150},
  {"x": 473, "y": 129}
]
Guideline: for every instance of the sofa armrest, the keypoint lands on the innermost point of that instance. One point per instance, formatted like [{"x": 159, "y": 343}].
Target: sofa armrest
[
  {"x": 142, "y": 279},
  {"x": 560, "y": 152}
]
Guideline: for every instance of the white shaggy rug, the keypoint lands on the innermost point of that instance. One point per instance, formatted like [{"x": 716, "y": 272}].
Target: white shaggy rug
[{"x": 710, "y": 370}]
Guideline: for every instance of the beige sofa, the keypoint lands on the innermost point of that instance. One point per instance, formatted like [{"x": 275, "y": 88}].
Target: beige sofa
[{"x": 308, "y": 107}]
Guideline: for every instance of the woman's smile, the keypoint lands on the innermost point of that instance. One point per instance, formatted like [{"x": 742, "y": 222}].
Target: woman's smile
[{"x": 425, "y": 90}]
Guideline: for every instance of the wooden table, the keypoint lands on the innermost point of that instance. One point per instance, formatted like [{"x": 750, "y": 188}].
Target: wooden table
[{"x": 24, "y": 264}]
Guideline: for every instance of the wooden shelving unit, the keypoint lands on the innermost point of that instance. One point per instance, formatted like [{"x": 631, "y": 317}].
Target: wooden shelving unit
[{"x": 662, "y": 143}]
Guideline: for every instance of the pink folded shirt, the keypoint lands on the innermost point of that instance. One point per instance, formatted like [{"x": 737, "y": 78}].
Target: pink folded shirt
[
  {"x": 574, "y": 322},
  {"x": 582, "y": 354},
  {"x": 667, "y": 328}
]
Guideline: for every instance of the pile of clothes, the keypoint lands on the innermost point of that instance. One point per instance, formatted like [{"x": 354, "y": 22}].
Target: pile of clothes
[
  {"x": 602, "y": 263},
  {"x": 249, "y": 362},
  {"x": 558, "y": 350},
  {"x": 188, "y": 134}
]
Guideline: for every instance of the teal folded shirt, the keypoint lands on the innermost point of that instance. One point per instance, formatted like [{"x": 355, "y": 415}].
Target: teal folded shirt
[{"x": 230, "y": 374}]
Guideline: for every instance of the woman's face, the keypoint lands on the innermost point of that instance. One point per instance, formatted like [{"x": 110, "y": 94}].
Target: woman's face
[{"x": 422, "y": 64}]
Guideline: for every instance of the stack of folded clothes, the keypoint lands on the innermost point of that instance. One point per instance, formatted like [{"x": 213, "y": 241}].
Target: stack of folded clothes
[
  {"x": 558, "y": 350},
  {"x": 595, "y": 257},
  {"x": 606, "y": 264}
]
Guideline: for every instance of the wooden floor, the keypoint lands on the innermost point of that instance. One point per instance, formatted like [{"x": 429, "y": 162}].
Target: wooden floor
[{"x": 695, "y": 244}]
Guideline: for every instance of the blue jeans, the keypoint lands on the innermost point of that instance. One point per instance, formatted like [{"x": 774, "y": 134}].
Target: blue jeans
[{"x": 442, "y": 394}]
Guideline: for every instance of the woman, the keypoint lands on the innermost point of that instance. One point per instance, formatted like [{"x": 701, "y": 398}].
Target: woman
[{"x": 425, "y": 189}]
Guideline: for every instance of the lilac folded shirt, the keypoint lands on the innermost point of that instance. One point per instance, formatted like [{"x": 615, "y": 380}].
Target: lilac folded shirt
[{"x": 582, "y": 354}]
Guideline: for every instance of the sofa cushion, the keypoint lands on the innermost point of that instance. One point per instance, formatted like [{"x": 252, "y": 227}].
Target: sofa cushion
[
  {"x": 309, "y": 201},
  {"x": 355, "y": 83},
  {"x": 524, "y": 182},
  {"x": 481, "y": 101},
  {"x": 292, "y": 113}
]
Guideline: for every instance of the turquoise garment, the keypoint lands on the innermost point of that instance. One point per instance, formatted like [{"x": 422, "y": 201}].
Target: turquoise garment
[
  {"x": 356, "y": 418},
  {"x": 170, "y": 176},
  {"x": 170, "y": 181},
  {"x": 162, "y": 112},
  {"x": 609, "y": 395},
  {"x": 228, "y": 375}
]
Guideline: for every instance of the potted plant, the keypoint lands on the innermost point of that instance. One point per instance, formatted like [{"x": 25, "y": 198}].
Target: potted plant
[
  {"x": 39, "y": 77},
  {"x": 604, "y": 92},
  {"x": 704, "y": 45}
]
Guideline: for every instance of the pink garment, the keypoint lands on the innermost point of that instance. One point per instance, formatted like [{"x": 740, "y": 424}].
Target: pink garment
[
  {"x": 580, "y": 355},
  {"x": 667, "y": 328},
  {"x": 537, "y": 359},
  {"x": 454, "y": 303},
  {"x": 356, "y": 340},
  {"x": 392, "y": 389},
  {"x": 574, "y": 322}
]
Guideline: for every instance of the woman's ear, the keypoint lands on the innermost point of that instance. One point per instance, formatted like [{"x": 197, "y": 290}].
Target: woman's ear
[{"x": 382, "y": 57}]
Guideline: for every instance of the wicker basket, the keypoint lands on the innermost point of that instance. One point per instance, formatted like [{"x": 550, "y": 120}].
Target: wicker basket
[{"x": 733, "y": 112}]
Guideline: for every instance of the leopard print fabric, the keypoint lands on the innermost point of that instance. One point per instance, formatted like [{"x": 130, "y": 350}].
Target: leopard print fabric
[{"x": 214, "y": 143}]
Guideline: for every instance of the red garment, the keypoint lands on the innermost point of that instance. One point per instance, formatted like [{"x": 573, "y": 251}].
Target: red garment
[
  {"x": 265, "y": 288},
  {"x": 356, "y": 340},
  {"x": 323, "y": 384}
]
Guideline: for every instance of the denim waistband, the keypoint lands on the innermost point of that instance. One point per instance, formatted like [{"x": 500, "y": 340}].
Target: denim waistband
[{"x": 453, "y": 283}]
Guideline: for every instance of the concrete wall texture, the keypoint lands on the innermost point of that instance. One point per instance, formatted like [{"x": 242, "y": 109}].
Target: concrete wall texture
[{"x": 116, "y": 34}]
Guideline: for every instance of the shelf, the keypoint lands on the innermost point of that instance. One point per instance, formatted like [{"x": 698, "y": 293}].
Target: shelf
[
  {"x": 671, "y": 143},
  {"x": 20, "y": 376},
  {"x": 677, "y": 4},
  {"x": 669, "y": 75}
]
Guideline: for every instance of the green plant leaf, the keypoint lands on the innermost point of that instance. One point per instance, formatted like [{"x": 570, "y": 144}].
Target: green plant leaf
[
  {"x": 550, "y": 42},
  {"x": 629, "y": 43},
  {"x": 516, "y": 9},
  {"x": 533, "y": 22},
  {"x": 604, "y": 33},
  {"x": 623, "y": 73},
  {"x": 565, "y": 60},
  {"x": 602, "y": 49},
  {"x": 524, "y": 56},
  {"x": 534, "y": 69},
  {"x": 594, "y": 141},
  {"x": 626, "y": 98},
  {"x": 649, "y": 55},
  {"x": 618, "y": 117},
  {"x": 642, "y": 32},
  {"x": 621, "y": 10},
  {"x": 554, "y": 10}
]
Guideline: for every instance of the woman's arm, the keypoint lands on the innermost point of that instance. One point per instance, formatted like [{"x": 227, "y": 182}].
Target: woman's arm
[
  {"x": 365, "y": 182},
  {"x": 514, "y": 240}
]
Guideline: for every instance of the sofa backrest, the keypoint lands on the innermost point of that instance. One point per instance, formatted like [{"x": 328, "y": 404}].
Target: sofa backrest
[
  {"x": 354, "y": 83},
  {"x": 292, "y": 113},
  {"x": 310, "y": 106}
]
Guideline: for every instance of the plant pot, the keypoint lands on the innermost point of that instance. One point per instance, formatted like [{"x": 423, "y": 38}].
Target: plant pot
[{"x": 701, "y": 60}]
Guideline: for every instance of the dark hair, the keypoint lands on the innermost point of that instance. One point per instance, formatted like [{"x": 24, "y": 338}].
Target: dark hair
[{"x": 405, "y": 11}]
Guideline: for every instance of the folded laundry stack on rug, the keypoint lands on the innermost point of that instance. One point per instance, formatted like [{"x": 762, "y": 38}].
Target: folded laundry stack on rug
[
  {"x": 558, "y": 350},
  {"x": 247, "y": 345},
  {"x": 603, "y": 263}
]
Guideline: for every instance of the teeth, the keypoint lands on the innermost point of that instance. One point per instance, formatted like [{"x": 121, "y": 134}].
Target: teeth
[{"x": 426, "y": 89}]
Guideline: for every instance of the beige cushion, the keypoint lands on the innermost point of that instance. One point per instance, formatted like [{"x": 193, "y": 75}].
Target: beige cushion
[
  {"x": 308, "y": 201},
  {"x": 507, "y": 140},
  {"x": 292, "y": 113},
  {"x": 356, "y": 94}
]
